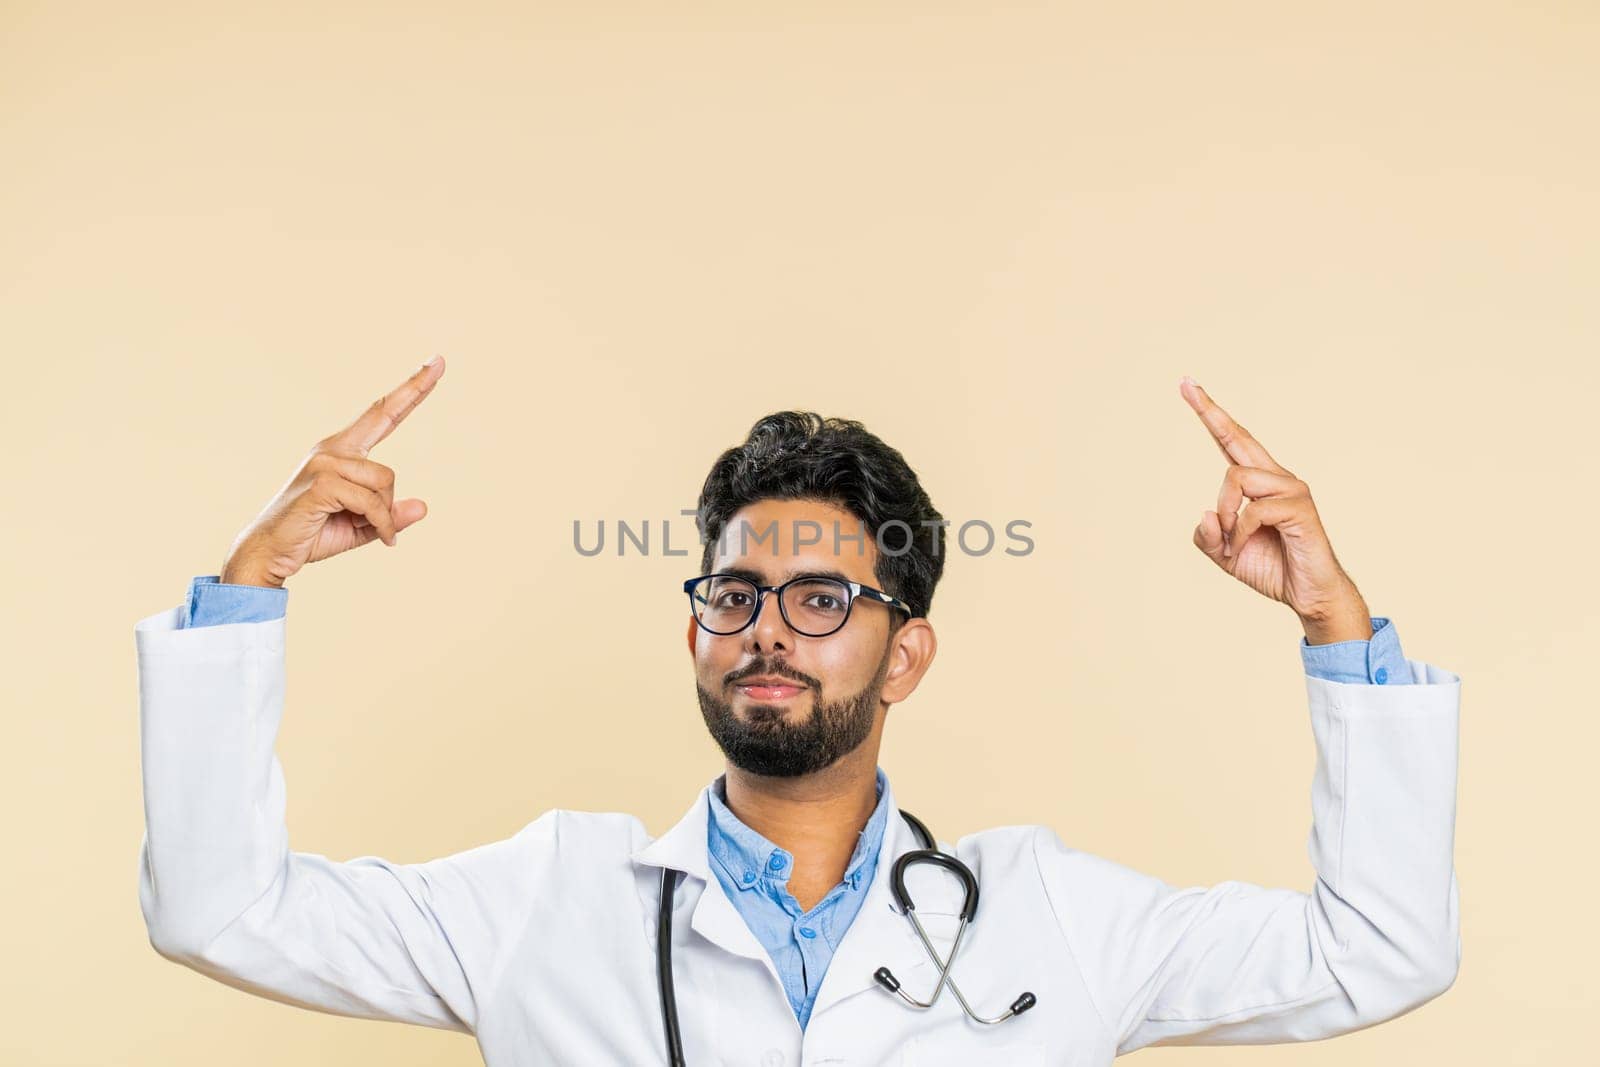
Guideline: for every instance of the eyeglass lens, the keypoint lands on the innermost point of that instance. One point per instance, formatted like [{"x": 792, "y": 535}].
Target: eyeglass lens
[{"x": 814, "y": 606}]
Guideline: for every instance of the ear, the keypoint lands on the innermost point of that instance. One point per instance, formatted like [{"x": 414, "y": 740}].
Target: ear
[
  {"x": 692, "y": 636},
  {"x": 910, "y": 656}
]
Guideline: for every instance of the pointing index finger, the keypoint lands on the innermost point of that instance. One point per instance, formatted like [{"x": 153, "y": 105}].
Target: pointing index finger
[
  {"x": 385, "y": 413},
  {"x": 1233, "y": 440}
]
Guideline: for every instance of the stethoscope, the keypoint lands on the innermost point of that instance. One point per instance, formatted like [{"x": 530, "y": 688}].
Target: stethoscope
[{"x": 929, "y": 853}]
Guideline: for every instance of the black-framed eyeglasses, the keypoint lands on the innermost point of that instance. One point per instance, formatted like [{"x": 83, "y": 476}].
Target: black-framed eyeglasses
[{"x": 812, "y": 606}]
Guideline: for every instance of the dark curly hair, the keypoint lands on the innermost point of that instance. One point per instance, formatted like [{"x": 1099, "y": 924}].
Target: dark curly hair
[{"x": 800, "y": 455}]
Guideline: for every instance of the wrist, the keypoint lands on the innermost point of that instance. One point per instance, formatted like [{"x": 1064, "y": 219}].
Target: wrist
[
  {"x": 1348, "y": 623},
  {"x": 243, "y": 574},
  {"x": 246, "y": 579}
]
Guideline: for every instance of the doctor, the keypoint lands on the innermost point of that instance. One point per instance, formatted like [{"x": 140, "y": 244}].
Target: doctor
[{"x": 807, "y": 622}]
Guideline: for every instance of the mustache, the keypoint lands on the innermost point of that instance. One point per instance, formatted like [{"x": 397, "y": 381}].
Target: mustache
[{"x": 777, "y": 670}]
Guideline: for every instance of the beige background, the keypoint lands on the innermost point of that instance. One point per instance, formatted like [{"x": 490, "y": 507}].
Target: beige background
[{"x": 996, "y": 233}]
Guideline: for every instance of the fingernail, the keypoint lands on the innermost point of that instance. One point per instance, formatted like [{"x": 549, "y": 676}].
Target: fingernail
[
  {"x": 1190, "y": 380},
  {"x": 431, "y": 362}
]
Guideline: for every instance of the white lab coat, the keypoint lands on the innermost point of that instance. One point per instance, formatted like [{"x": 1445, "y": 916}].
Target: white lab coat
[{"x": 543, "y": 945}]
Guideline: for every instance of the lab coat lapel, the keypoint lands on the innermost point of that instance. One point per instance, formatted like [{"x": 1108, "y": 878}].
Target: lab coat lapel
[
  {"x": 879, "y": 936},
  {"x": 683, "y": 847}
]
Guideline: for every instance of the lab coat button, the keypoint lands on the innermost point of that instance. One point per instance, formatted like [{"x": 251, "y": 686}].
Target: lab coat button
[
  {"x": 1382, "y": 675},
  {"x": 773, "y": 1058}
]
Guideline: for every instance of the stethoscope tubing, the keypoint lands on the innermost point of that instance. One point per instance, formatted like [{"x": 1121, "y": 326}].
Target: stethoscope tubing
[
  {"x": 930, "y": 853},
  {"x": 669, "y": 995}
]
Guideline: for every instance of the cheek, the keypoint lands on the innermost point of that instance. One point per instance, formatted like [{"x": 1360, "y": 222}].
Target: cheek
[
  {"x": 841, "y": 670},
  {"x": 715, "y": 660}
]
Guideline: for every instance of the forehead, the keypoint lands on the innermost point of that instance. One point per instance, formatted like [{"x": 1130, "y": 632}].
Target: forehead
[{"x": 778, "y": 539}]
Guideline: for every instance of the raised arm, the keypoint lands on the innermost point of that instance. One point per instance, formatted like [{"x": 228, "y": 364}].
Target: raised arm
[
  {"x": 222, "y": 892},
  {"x": 1236, "y": 963},
  {"x": 220, "y": 889},
  {"x": 1379, "y": 932}
]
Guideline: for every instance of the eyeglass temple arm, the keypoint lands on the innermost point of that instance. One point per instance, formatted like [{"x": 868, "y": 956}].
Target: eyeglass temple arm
[{"x": 884, "y": 598}]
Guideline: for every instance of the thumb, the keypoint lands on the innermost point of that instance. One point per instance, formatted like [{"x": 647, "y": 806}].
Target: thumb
[
  {"x": 408, "y": 511},
  {"x": 1208, "y": 539}
]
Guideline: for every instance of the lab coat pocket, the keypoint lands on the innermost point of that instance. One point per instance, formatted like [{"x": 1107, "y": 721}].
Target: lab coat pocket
[
  {"x": 951, "y": 1038},
  {"x": 972, "y": 1050}
]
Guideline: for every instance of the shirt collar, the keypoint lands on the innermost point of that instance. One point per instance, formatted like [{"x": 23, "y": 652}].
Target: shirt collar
[{"x": 749, "y": 858}]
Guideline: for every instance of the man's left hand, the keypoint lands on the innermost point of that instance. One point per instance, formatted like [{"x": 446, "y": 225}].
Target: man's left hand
[{"x": 1275, "y": 544}]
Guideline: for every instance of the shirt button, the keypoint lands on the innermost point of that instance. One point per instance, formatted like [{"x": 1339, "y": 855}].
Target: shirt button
[
  {"x": 806, "y": 931},
  {"x": 772, "y": 1058},
  {"x": 1382, "y": 675},
  {"x": 776, "y": 863},
  {"x": 749, "y": 876}
]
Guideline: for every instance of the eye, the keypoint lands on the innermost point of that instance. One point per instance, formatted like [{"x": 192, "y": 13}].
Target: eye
[{"x": 725, "y": 599}]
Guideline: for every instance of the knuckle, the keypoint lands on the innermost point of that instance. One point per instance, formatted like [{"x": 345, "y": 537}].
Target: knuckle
[
  {"x": 331, "y": 448},
  {"x": 378, "y": 507}
]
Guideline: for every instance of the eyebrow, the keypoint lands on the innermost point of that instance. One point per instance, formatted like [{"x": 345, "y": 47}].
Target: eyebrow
[{"x": 756, "y": 577}]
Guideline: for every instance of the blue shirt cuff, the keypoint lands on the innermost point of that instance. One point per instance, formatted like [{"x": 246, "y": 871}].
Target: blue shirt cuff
[
  {"x": 211, "y": 602},
  {"x": 1377, "y": 661}
]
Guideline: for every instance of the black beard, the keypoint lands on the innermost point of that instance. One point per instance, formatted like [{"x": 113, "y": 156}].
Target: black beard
[{"x": 769, "y": 745}]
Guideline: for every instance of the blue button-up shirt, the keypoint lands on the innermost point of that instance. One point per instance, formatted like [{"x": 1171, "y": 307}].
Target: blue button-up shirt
[{"x": 753, "y": 871}]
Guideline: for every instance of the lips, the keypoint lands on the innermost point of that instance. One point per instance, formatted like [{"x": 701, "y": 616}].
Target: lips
[{"x": 769, "y": 688}]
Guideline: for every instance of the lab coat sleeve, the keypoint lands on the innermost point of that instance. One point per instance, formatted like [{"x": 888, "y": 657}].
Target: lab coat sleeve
[
  {"x": 1235, "y": 963},
  {"x": 222, "y": 892}
]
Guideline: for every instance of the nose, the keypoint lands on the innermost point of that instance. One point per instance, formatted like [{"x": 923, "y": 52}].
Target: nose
[{"x": 769, "y": 630}]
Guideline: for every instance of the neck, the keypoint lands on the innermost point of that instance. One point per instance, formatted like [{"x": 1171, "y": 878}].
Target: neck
[{"x": 817, "y": 817}]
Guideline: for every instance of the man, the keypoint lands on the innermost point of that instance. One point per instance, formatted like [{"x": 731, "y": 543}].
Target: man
[{"x": 808, "y": 621}]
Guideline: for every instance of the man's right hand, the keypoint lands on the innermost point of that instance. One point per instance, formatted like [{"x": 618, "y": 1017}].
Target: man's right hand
[{"x": 336, "y": 500}]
